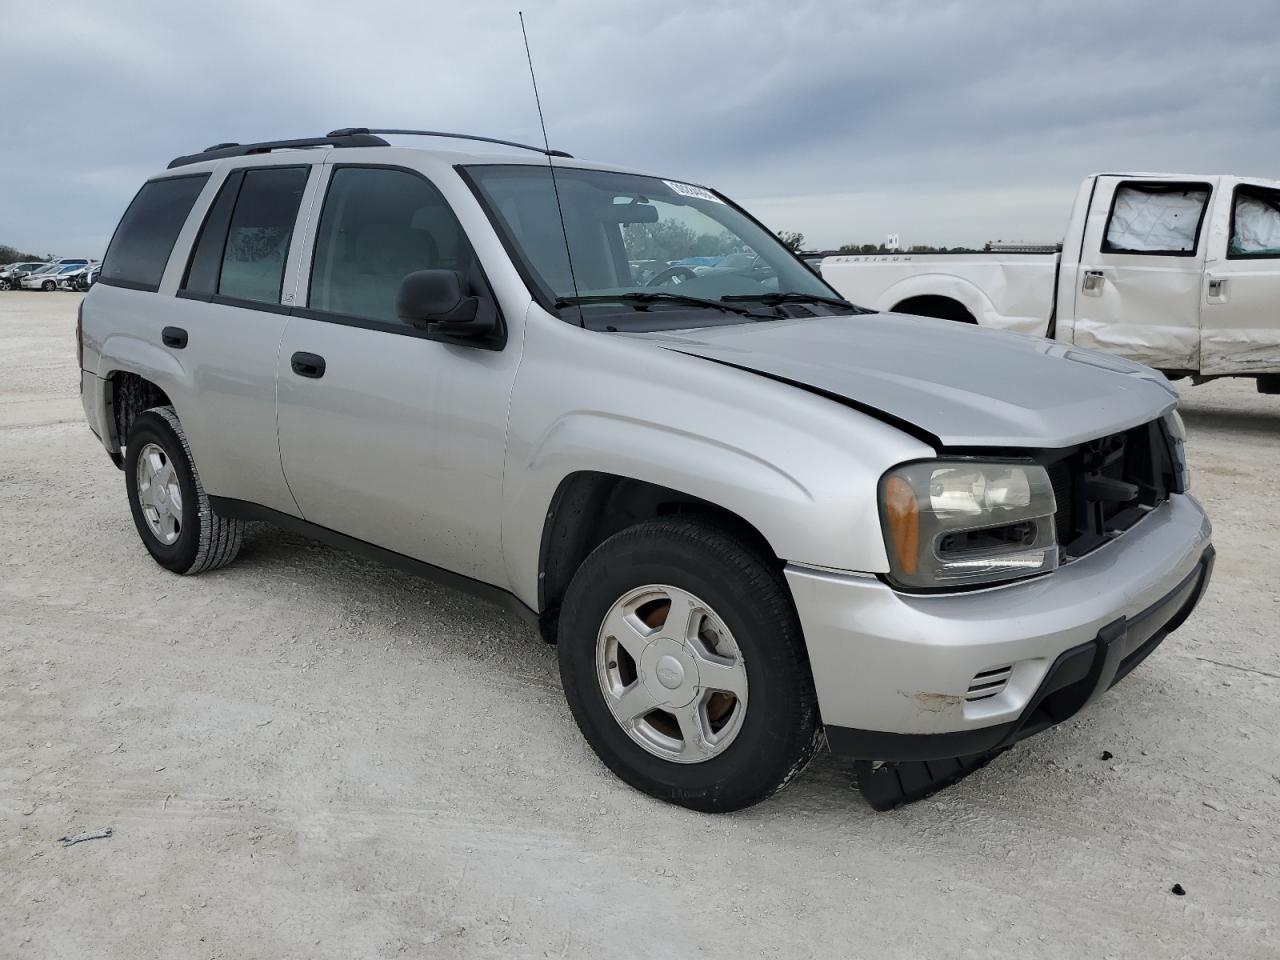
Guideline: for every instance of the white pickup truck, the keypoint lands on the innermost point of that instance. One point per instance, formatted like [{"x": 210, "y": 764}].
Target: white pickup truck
[{"x": 1178, "y": 272}]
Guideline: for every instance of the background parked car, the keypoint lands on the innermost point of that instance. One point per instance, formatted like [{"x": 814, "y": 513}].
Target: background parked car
[
  {"x": 49, "y": 276},
  {"x": 12, "y": 273},
  {"x": 86, "y": 277},
  {"x": 72, "y": 280}
]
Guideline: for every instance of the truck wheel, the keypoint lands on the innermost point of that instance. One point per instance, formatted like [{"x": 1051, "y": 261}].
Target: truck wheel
[
  {"x": 170, "y": 508},
  {"x": 684, "y": 666}
]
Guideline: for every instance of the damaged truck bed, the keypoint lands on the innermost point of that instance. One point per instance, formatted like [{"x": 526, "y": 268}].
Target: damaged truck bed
[{"x": 1179, "y": 272}]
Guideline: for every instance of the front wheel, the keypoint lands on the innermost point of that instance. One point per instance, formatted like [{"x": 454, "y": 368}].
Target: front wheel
[
  {"x": 170, "y": 509},
  {"x": 684, "y": 666}
]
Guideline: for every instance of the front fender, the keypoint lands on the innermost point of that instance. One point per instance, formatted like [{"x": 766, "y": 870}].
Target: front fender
[{"x": 801, "y": 469}]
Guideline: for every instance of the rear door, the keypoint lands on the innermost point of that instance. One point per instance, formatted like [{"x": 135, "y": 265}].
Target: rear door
[
  {"x": 1240, "y": 329},
  {"x": 231, "y": 319},
  {"x": 1137, "y": 286}
]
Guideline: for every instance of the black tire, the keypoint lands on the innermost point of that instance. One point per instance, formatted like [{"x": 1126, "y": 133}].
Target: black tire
[
  {"x": 781, "y": 728},
  {"x": 47, "y": 286},
  {"x": 205, "y": 540}
]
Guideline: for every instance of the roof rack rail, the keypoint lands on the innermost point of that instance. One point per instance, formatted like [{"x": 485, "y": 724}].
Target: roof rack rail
[
  {"x": 363, "y": 131},
  {"x": 219, "y": 151}
]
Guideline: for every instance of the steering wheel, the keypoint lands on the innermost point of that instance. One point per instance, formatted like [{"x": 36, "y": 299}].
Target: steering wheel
[{"x": 672, "y": 275}]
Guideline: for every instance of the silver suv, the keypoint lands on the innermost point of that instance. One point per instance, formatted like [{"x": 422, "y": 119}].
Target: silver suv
[{"x": 755, "y": 518}]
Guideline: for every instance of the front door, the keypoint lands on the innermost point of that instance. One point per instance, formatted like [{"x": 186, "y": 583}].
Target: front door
[
  {"x": 1138, "y": 283},
  {"x": 1240, "y": 332},
  {"x": 386, "y": 436}
]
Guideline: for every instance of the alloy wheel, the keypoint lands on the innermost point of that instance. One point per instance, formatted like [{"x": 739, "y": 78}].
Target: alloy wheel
[
  {"x": 671, "y": 673},
  {"x": 159, "y": 494}
]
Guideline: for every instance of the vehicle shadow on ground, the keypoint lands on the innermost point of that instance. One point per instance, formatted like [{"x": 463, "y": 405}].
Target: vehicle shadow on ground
[{"x": 356, "y": 585}]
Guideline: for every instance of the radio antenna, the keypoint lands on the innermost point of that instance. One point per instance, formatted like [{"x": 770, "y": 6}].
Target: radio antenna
[{"x": 550, "y": 163}]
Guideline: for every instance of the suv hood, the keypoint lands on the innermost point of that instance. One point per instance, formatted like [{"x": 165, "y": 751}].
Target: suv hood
[{"x": 962, "y": 386}]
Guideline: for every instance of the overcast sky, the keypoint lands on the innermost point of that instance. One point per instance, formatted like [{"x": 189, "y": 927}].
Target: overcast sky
[{"x": 946, "y": 122}]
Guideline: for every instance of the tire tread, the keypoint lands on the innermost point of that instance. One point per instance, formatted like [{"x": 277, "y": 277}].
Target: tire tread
[{"x": 220, "y": 537}]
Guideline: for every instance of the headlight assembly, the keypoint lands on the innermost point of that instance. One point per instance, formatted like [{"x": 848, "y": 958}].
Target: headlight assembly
[{"x": 960, "y": 523}]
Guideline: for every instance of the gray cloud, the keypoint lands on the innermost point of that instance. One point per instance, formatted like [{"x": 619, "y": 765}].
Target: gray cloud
[{"x": 945, "y": 121}]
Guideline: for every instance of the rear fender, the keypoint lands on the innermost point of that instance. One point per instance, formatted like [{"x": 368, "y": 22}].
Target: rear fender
[
  {"x": 964, "y": 292},
  {"x": 122, "y": 353}
]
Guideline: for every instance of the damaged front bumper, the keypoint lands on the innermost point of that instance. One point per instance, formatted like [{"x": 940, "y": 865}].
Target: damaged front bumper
[{"x": 930, "y": 678}]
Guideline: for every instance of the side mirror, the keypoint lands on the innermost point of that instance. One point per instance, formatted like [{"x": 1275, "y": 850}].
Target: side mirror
[{"x": 435, "y": 300}]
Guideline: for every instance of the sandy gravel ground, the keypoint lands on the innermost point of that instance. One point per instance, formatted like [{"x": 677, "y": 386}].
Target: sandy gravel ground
[{"x": 306, "y": 755}]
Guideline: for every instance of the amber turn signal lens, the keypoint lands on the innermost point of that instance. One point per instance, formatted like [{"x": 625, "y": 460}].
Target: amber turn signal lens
[{"x": 903, "y": 513}]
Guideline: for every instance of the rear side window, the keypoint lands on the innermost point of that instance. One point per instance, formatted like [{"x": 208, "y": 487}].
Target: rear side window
[
  {"x": 142, "y": 243},
  {"x": 205, "y": 266},
  {"x": 1255, "y": 224},
  {"x": 259, "y": 234},
  {"x": 1157, "y": 219},
  {"x": 377, "y": 226}
]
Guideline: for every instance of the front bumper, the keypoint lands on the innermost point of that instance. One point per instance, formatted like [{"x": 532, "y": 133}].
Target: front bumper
[{"x": 899, "y": 676}]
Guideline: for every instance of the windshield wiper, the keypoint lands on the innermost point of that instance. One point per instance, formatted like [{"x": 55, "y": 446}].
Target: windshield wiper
[
  {"x": 773, "y": 299},
  {"x": 641, "y": 301}
]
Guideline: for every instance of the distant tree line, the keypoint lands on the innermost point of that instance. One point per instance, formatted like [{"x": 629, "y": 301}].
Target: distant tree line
[
  {"x": 672, "y": 240},
  {"x": 10, "y": 254},
  {"x": 914, "y": 248}
]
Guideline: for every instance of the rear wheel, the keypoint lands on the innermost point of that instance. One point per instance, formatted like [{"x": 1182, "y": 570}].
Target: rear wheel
[
  {"x": 169, "y": 505},
  {"x": 47, "y": 286},
  {"x": 684, "y": 666}
]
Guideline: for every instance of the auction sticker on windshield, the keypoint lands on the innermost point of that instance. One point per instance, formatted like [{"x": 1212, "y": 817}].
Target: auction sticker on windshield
[{"x": 689, "y": 190}]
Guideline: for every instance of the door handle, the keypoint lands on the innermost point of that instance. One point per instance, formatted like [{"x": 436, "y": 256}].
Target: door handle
[
  {"x": 1093, "y": 281},
  {"x": 307, "y": 365},
  {"x": 1217, "y": 290},
  {"x": 174, "y": 337}
]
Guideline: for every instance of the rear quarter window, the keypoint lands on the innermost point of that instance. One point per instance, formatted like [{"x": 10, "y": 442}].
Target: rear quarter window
[{"x": 148, "y": 230}]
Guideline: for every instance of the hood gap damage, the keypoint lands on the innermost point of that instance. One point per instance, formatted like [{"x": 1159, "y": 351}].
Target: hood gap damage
[{"x": 924, "y": 436}]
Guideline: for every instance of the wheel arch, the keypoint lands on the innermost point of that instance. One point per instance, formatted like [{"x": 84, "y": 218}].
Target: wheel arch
[
  {"x": 130, "y": 371},
  {"x": 125, "y": 396},
  {"x": 964, "y": 293},
  {"x": 935, "y": 305},
  {"x": 589, "y": 506}
]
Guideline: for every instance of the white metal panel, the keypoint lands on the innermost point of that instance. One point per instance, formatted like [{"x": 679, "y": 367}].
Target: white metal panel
[
  {"x": 1240, "y": 330},
  {"x": 1142, "y": 306},
  {"x": 1005, "y": 291}
]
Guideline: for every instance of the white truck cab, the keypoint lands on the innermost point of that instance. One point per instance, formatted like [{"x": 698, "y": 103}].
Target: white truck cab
[{"x": 1177, "y": 271}]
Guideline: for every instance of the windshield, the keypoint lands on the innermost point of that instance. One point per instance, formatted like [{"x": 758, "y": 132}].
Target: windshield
[{"x": 636, "y": 235}]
